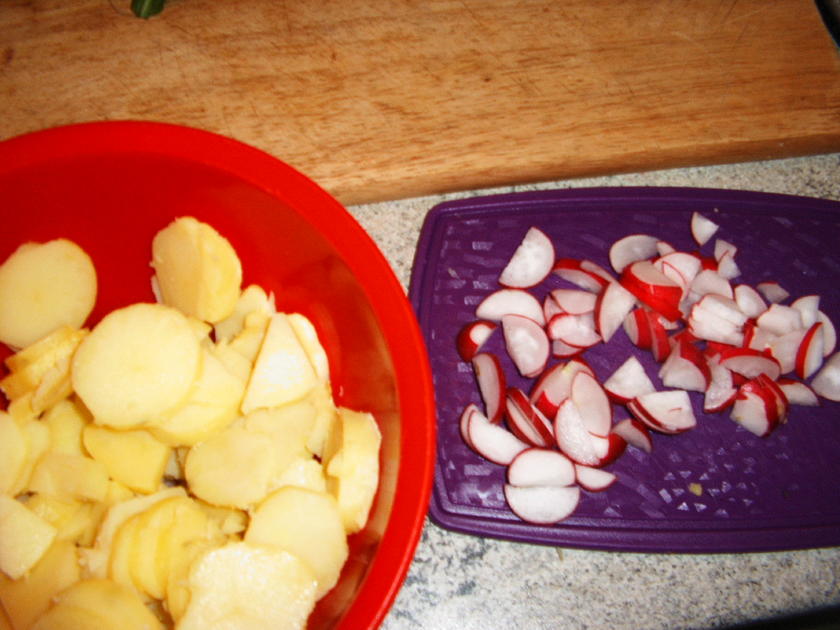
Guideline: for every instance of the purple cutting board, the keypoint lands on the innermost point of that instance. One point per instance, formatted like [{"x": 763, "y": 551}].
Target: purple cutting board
[{"x": 780, "y": 492}]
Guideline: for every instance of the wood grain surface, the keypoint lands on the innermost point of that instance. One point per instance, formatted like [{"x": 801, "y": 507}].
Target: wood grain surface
[{"x": 384, "y": 99}]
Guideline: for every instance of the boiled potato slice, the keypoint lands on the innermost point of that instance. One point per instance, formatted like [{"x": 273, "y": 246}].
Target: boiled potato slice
[
  {"x": 24, "y": 537},
  {"x": 64, "y": 616},
  {"x": 326, "y": 418},
  {"x": 231, "y": 469},
  {"x": 197, "y": 269},
  {"x": 308, "y": 337},
  {"x": 118, "y": 607},
  {"x": 37, "y": 444},
  {"x": 353, "y": 472},
  {"x": 235, "y": 362},
  {"x": 134, "y": 457},
  {"x": 65, "y": 421},
  {"x": 229, "y": 521},
  {"x": 282, "y": 372},
  {"x": 71, "y": 518},
  {"x": 70, "y": 477},
  {"x": 44, "y": 286},
  {"x": 138, "y": 363},
  {"x": 252, "y": 299},
  {"x": 177, "y": 588},
  {"x": 27, "y": 598},
  {"x": 304, "y": 472},
  {"x": 287, "y": 427},
  {"x": 308, "y": 525},
  {"x": 13, "y": 451},
  {"x": 249, "y": 340},
  {"x": 212, "y": 404},
  {"x": 244, "y": 586}
]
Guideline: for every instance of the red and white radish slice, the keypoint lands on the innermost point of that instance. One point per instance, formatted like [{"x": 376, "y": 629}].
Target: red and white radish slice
[
  {"x": 809, "y": 356},
  {"x": 723, "y": 307},
  {"x": 780, "y": 319},
  {"x": 702, "y": 228},
  {"x": 541, "y": 467},
  {"x": 709, "y": 281},
  {"x": 727, "y": 267},
  {"x": 637, "y": 327},
  {"x": 510, "y": 302},
  {"x": 631, "y": 249},
  {"x": 660, "y": 345},
  {"x": 574, "y": 301},
  {"x": 829, "y": 333},
  {"x": 571, "y": 270},
  {"x": 783, "y": 348},
  {"x": 653, "y": 288},
  {"x": 750, "y": 363},
  {"x": 749, "y": 301},
  {"x": 724, "y": 248},
  {"x": 594, "y": 479},
  {"x": 492, "y": 441},
  {"x": 706, "y": 324},
  {"x": 526, "y": 343},
  {"x": 492, "y": 384},
  {"x": 798, "y": 393},
  {"x": 666, "y": 411},
  {"x": 613, "y": 305},
  {"x": 721, "y": 392},
  {"x": 531, "y": 262},
  {"x": 772, "y": 291},
  {"x": 526, "y": 421},
  {"x": 685, "y": 368},
  {"x": 592, "y": 402},
  {"x": 555, "y": 385},
  {"x": 550, "y": 308},
  {"x": 574, "y": 330},
  {"x": 628, "y": 381},
  {"x": 681, "y": 267},
  {"x": 464, "y": 423},
  {"x": 596, "y": 269},
  {"x": 562, "y": 350},
  {"x": 542, "y": 505},
  {"x": 826, "y": 382},
  {"x": 760, "y": 406},
  {"x": 635, "y": 433},
  {"x": 664, "y": 247},
  {"x": 808, "y": 307},
  {"x": 473, "y": 336},
  {"x": 574, "y": 438}
]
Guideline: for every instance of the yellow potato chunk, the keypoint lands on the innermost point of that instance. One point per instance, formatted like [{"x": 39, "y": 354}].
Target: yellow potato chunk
[
  {"x": 70, "y": 477},
  {"x": 252, "y": 299},
  {"x": 27, "y": 598},
  {"x": 231, "y": 469},
  {"x": 245, "y": 586},
  {"x": 70, "y": 517},
  {"x": 13, "y": 451},
  {"x": 308, "y": 525},
  {"x": 65, "y": 422},
  {"x": 134, "y": 457},
  {"x": 353, "y": 472},
  {"x": 212, "y": 404},
  {"x": 37, "y": 444},
  {"x": 138, "y": 363},
  {"x": 197, "y": 269},
  {"x": 44, "y": 286},
  {"x": 24, "y": 537},
  {"x": 308, "y": 337}
]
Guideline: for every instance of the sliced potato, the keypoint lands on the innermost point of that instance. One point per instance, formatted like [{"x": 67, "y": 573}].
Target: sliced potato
[
  {"x": 24, "y": 537},
  {"x": 253, "y": 298},
  {"x": 137, "y": 364},
  {"x": 197, "y": 269},
  {"x": 13, "y": 451},
  {"x": 44, "y": 286},
  {"x": 70, "y": 477},
  {"x": 65, "y": 421},
  {"x": 134, "y": 457}
]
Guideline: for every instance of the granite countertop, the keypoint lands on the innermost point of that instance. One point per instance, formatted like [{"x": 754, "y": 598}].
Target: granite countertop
[{"x": 463, "y": 582}]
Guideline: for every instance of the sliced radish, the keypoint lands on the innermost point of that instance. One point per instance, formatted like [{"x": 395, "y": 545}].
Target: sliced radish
[
  {"x": 574, "y": 301},
  {"x": 635, "y": 433},
  {"x": 464, "y": 423},
  {"x": 664, "y": 247},
  {"x": 660, "y": 345},
  {"x": 707, "y": 324},
  {"x": 779, "y": 319},
  {"x": 574, "y": 438},
  {"x": 596, "y": 269},
  {"x": 721, "y": 392},
  {"x": 526, "y": 421},
  {"x": 637, "y": 327},
  {"x": 783, "y": 348},
  {"x": 594, "y": 479},
  {"x": 491, "y": 384},
  {"x": 829, "y": 333},
  {"x": 631, "y": 249},
  {"x": 541, "y": 467},
  {"x": 798, "y": 393},
  {"x": 613, "y": 305},
  {"x": 827, "y": 381},
  {"x": 592, "y": 402},
  {"x": 750, "y": 363},
  {"x": 526, "y": 343},
  {"x": 666, "y": 411},
  {"x": 510, "y": 302},
  {"x": 809, "y": 356},
  {"x": 749, "y": 301},
  {"x": 472, "y": 337},
  {"x": 555, "y": 385},
  {"x": 531, "y": 262},
  {"x": 685, "y": 368},
  {"x": 723, "y": 307},
  {"x": 724, "y": 248},
  {"x": 492, "y": 441},
  {"x": 562, "y": 350},
  {"x": 772, "y": 291},
  {"x": 709, "y": 281},
  {"x": 574, "y": 330},
  {"x": 628, "y": 381},
  {"x": 681, "y": 267},
  {"x": 702, "y": 228},
  {"x": 550, "y": 308},
  {"x": 808, "y": 307},
  {"x": 727, "y": 267},
  {"x": 760, "y": 406},
  {"x": 571, "y": 270},
  {"x": 653, "y": 288},
  {"x": 542, "y": 505}
]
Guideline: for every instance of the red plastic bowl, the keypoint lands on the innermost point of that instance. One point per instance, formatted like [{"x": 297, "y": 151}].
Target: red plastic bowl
[{"x": 110, "y": 186}]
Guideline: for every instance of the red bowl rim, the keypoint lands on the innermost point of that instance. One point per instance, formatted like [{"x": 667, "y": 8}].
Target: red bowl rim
[{"x": 396, "y": 317}]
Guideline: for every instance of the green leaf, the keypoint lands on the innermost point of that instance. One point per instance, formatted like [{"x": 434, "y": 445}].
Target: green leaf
[{"x": 147, "y": 8}]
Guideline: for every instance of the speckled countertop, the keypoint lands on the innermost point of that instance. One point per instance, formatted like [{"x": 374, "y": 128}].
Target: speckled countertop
[{"x": 464, "y": 582}]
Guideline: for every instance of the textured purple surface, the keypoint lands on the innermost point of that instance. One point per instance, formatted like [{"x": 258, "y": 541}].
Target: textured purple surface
[{"x": 780, "y": 492}]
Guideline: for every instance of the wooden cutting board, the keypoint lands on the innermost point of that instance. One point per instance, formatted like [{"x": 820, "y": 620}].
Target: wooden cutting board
[{"x": 384, "y": 99}]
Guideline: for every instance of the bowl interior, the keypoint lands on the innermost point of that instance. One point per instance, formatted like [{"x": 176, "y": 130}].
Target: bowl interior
[{"x": 111, "y": 186}]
